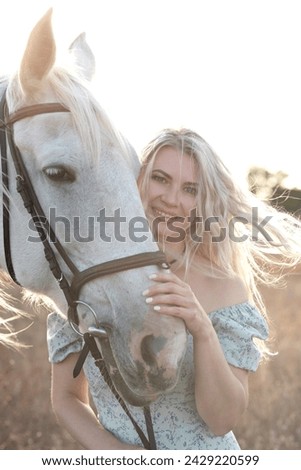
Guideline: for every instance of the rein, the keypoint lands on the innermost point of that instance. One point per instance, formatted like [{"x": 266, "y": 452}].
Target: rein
[
  {"x": 91, "y": 346},
  {"x": 49, "y": 240}
]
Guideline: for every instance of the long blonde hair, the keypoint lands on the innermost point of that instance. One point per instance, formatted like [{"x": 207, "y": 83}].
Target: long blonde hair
[{"x": 240, "y": 235}]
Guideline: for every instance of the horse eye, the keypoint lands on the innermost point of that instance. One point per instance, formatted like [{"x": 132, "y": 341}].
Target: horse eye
[{"x": 59, "y": 173}]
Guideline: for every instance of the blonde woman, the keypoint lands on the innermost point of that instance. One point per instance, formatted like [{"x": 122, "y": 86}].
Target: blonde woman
[{"x": 221, "y": 243}]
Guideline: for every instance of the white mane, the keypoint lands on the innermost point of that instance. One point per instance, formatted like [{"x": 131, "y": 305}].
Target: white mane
[{"x": 90, "y": 120}]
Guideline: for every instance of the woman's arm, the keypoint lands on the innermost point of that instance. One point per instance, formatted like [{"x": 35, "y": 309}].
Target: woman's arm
[
  {"x": 221, "y": 391},
  {"x": 70, "y": 401}
]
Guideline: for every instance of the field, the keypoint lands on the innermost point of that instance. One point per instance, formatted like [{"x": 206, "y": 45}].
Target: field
[{"x": 272, "y": 421}]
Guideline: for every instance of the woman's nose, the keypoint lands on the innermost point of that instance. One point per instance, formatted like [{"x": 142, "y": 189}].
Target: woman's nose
[{"x": 171, "y": 196}]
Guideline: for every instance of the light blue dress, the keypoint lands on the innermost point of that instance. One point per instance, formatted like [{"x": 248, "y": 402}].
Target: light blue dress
[{"x": 176, "y": 421}]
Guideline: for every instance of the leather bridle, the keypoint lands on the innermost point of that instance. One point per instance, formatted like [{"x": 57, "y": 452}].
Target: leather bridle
[{"x": 49, "y": 240}]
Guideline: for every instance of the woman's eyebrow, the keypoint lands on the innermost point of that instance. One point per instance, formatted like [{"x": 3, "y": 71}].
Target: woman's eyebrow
[
  {"x": 162, "y": 172},
  {"x": 166, "y": 175}
]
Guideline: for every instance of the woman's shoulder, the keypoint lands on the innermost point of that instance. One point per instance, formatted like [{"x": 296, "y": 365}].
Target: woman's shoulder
[
  {"x": 230, "y": 290},
  {"x": 216, "y": 293},
  {"x": 241, "y": 330},
  {"x": 61, "y": 338}
]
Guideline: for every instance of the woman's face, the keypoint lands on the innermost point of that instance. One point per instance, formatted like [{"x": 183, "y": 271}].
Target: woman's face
[{"x": 172, "y": 192}]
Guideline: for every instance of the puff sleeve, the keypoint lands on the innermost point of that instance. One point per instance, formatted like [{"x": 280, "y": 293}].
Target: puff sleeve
[
  {"x": 61, "y": 339},
  {"x": 236, "y": 328}
]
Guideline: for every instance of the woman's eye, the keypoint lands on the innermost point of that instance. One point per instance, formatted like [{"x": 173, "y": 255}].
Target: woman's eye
[
  {"x": 191, "y": 190},
  {"x": 160, "y": 179},
  {"x": 59, "y": 173}
]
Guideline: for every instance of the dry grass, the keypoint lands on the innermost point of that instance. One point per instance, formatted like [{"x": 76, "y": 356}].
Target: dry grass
[{"x": 273, "y": 420}]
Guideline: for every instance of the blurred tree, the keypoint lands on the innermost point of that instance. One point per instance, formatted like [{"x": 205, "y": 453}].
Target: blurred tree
[{"x": 271, "y": 188}]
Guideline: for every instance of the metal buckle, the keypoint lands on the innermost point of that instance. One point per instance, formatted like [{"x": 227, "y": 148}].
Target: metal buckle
[{"x": 97, "y": 330}]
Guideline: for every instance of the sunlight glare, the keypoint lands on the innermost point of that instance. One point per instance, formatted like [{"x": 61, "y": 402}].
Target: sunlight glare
[{"x": 229, "y": 70}]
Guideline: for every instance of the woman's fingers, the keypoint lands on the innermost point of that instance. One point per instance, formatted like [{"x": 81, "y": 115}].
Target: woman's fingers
[
  {"x": 165, "y": 288},
  {"x": 166, "y": 277},
  {"x": 167, "y": 284},
  {"x": 168, "y": 299},
  {"x": 171, "y": 296}
]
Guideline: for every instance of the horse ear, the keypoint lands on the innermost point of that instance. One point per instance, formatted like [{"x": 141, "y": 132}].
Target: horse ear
[
  {"x": 83, "y": 56},
  {"x": 39, "y": 55}
]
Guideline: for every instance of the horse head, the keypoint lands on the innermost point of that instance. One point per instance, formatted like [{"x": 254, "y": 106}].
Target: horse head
[{"x": 83, "y": 173}]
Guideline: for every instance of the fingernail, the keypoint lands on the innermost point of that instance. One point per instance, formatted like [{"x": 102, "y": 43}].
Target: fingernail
[
  {"x": 157, "y": 308},
  {"x": 149, "y": 300},
  {"x": 145, "y": 292},
  {"x": 153, "y": 276}
]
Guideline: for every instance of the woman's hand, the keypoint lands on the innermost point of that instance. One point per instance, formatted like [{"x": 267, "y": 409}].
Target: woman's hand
[{"x": 172, "y": 296}]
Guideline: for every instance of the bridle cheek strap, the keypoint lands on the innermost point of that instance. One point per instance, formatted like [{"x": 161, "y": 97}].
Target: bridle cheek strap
[{"x": 5, "y": 192}]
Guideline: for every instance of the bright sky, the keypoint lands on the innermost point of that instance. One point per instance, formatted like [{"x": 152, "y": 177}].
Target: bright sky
[{"x": 229, "y": 69}]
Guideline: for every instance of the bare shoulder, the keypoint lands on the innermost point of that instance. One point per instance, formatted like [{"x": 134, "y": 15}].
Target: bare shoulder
[
  {"x": 227, "y": 292},
  {"x": 234, "y": 290},
  {"x": 235, "y": 284},
  {"x": 216, "y": 293}
]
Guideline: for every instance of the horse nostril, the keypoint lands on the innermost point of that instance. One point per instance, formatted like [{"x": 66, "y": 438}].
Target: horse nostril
[{"x": 151, "y": 347}]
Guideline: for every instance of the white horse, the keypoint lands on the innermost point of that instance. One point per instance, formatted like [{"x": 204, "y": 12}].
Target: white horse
[{"x": 83, "y": 173}]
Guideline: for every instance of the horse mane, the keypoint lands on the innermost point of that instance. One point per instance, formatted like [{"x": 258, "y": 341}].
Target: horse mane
[
  {"x": 91, "y": 121},
  {"x": 9, "y": 312},
  {"x": 18, "y": 304}
]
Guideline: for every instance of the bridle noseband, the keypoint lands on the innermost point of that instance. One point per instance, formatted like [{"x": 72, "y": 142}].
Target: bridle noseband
[{"x": 48, "y": 237}]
